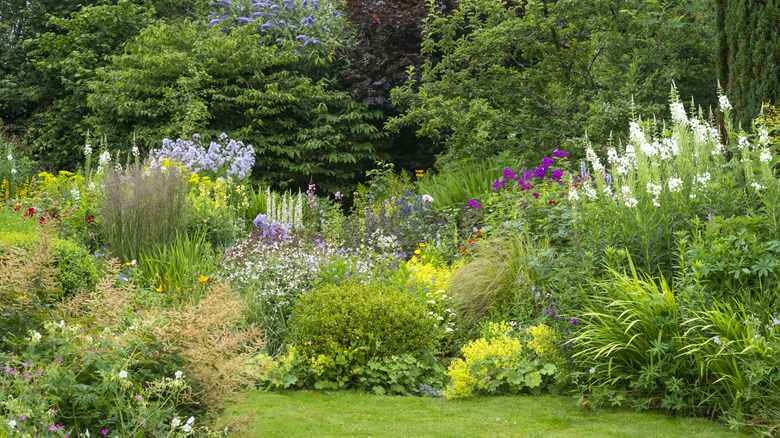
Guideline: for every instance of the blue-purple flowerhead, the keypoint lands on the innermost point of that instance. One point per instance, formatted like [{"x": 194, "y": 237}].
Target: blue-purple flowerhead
[
  {"x": 716, "y": 340},
  {"x": 547, "y": 162}
]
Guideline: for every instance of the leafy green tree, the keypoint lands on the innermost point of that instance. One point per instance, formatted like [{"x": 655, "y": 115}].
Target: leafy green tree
[
  {"x": 21, "y": 20},
  {"x": 66, "y": 60},
  {"x": 184, "y": 79},
  {"x": 526, "y": 77},
  {"x": 749, "y": 54}
]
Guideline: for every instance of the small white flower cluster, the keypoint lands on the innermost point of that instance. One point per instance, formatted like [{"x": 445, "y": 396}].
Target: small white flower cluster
[
  {"x": 187, "y": 426},
  {"x": 655, "y": 191},
  {"x": 103, "y": 161},
  {"x": 679, "y": 115},
  {"x": 675, "y": 185},
  {"x": 723, "y": 103}
]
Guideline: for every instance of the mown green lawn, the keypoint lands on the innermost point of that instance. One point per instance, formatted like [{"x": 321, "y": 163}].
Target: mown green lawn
[{"x": 344, "y": 414}]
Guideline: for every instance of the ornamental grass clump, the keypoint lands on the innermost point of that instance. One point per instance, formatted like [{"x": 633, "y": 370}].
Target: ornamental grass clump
[
  {"x": 736, "y": 358},
  {"x": 141, "y": 209},
  {"x": 630, "y": 337},
  {"x": 499, "y": 280}
]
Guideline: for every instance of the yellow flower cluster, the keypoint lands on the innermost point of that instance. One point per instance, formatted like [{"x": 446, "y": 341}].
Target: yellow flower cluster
[
  {"x": 429, "y": 274},
  {"x": 769, "y": 120},
  {"x": 481, "y": 358},
  {"x": 544, "y": 341}
]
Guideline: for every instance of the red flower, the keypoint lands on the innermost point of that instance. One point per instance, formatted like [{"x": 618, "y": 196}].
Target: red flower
[
  {"x": 17, "y": 208},
  {"x": 42, "y": 220},
  {"x": 90, "y": 218},
  {"x": 462, "y": 250},
  {"x": 470, "y": 241},
  {"x": 30, "y": 212},
  {"x": 375, "y": 18}
]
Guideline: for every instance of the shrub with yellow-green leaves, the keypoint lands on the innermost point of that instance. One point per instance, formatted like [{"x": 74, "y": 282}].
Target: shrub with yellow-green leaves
[{"x": 506, "y": 361}]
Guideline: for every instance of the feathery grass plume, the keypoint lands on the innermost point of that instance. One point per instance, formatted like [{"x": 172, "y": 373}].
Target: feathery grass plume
[
  {"x": 27, "y": 280},
  {"x": 142, "y": 208},
  {"x": 499, "y": 275}
]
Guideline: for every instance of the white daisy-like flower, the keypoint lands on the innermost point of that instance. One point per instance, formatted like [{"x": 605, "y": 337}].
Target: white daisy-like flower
[
  {"x": 179, "y": 374},
  {"x": 175, "y": 422},
  {"x": 123, "y": 374}
]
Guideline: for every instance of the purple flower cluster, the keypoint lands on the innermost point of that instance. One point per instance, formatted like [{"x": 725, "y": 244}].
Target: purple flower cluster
[
  {"x": 232, "y": 158},
  {"x": 526, "y": 181},
  {"x": 279, "y": 21},
  {"x": 272, "y": 231}
]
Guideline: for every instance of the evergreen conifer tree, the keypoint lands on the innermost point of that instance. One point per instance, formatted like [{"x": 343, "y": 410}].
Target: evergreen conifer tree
[{"x": 749, "y": 54}]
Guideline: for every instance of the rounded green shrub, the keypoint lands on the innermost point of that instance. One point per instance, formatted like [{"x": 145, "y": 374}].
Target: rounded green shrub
[
  {"x": 337, "y": 318},
  {"x": 75, "y": 267}
]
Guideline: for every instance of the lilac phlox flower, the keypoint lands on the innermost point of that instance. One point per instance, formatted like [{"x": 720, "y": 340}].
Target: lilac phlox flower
[
  {"x": 498, "y": 184},
  {"x": 556, "y": 175},
  {"x": 509, "y": 174},
  {"x": 574, "y": 320},
  {"x": 547, "y": 162},
  {"x": 526, "y": 186},
  {"x": 540, "y": 172},
  {"x": 474, "y": 204},
  {"x": 560, "y": 153}
]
